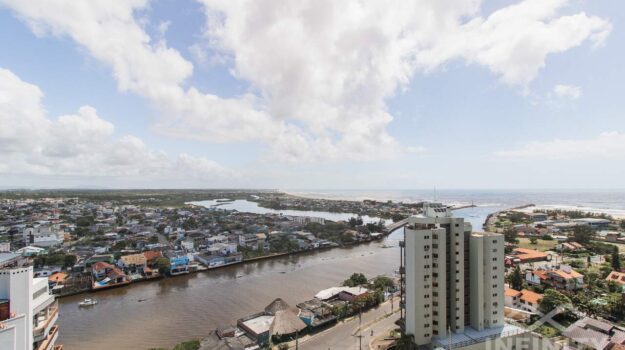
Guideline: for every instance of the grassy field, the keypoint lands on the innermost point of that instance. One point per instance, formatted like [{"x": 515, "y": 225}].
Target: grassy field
[{"x": 541, "y": 245}]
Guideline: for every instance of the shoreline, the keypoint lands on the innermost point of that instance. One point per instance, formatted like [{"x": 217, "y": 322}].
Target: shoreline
[{"x": 207, "y": 269}]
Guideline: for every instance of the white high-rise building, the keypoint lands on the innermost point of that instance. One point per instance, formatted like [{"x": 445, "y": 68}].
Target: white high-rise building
[
  {"x": 28, "y": 312},
  {"x": 454, "y": 278}
]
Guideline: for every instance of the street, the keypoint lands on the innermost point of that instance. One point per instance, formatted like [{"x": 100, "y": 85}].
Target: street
[{"x": 346, "y": 335}]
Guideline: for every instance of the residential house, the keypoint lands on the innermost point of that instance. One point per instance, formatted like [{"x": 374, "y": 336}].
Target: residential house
[
  {"x": 249, "y": 241},
  {"x": 588, "y": 333},
  {"x": 133, "y": 263},
  {"x": 100, "y": 269},
  {"x": 529, "y": 255},
  {"x": 179, "y": 265},
  {"x": 616, "y": 276},
  {"x": 564, "y": 278}
]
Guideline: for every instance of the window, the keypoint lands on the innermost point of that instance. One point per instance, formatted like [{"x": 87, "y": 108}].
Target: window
[
  {"x": 457, "y": 299},
  {"x": 426, "y": 247},
  {"x": 426, "y": 257},
  {"x": 426, "y": 266},
  {"x": 457, "y": 225},
  {"x": 426, "y": 237},
  {"x": 457, "y": 243},
  {"x": 494, "y": 286},
  {"x": 494, "y": 312},
  {"x": 435, "y": 236},
  {"x": 428, "y": 315},
  {"x": 494, "y": 267},
  {"x": 427, "y": 306},
  {"x": 435, "y": 294},
  {"x": 494, "y": 259},
  {"x": 426, "y": 296},
  {"x": 495, "y": 294},
  {"x": 427, "y": 325},
  {"x": 495, "y": 250},
  {"x": 426, "y": 335},
  {"x": 494, "y": 277}
]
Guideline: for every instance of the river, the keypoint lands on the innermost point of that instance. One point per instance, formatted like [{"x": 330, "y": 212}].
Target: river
[{"x": 176, "y": 309}]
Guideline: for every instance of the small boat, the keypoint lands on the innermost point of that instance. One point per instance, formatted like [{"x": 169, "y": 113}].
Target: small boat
[{"x": 88, "y": 302}]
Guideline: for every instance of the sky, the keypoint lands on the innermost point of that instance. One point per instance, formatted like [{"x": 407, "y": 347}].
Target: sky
[{"x": 312, "y": 94}]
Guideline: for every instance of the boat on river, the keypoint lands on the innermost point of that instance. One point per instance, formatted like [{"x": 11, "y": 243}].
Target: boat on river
[{"x": 87, "y": 302}]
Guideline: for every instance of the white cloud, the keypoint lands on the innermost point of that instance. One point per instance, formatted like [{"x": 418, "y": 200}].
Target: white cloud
[
  {"x": 320, "y": 71},
  {"x": 605, "y": 145},
  {"x": 80, "y": 144},
  {"x": 567, "y": 91}
]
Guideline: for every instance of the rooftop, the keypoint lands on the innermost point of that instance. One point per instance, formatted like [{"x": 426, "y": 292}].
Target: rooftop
[{"x": 260, "y": 324}]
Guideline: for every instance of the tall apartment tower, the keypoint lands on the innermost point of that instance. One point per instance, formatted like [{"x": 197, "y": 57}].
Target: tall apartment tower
[{"x": 453, "y": 278}]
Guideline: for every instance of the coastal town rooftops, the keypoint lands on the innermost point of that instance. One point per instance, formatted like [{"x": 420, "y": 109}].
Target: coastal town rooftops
[
  {"x": 134, "y": 259},
  {"x": 595, "y": 333},
  {"x": 259, "y": 324},
  {"x": 525, "y": 254},
  {"x": 277, "y": 305},
  {"x": 286, "y": 322},
  {"x": 616, "y": 276},
  {"x": 512, "y": 292},
  {"x": 567, "y": 274},
  {"x": 101, "y": 265},
  {"x": 530, "y": 296},
  {"x": 57, "y": 277},
  {"x": 334, "y": 291}
]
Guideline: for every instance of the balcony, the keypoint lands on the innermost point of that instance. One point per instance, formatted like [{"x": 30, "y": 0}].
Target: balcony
[
  {"x": 48, "y": 343},
  {"x": 45, "y": 322}
]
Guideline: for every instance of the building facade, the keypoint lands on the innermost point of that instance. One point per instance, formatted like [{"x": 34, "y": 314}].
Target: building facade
[
  {"x": 454, "y": 278},
  {"x": 28, "y": 312}
]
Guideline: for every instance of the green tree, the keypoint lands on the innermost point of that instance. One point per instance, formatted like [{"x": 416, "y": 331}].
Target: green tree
[
  {"x": 356, "y": 279},
  {"x": 582, "y": 234},
  {"x": 510, "y": 235},
  {"x": 616, "y": 259},
  {"x": 516, "y": 279},
  {"x": 69, "y": 260},
  {"x": 534, "y": 240},
  {"x": 552, "y": 299},
  {"x": 163, "y": 265},
  {"x": 382, "y": 283}
]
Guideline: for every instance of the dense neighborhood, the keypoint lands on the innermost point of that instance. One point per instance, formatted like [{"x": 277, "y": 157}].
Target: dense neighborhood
[
  {"x": 82, "y": 244},
  {"x": 565, "y": 264}
]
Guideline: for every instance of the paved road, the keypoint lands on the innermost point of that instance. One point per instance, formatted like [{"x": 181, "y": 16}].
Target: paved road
[{"x": 345, "y": 335}]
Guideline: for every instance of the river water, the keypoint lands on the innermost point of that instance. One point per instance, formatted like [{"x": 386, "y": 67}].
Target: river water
[{"x": 171, "y": 310}]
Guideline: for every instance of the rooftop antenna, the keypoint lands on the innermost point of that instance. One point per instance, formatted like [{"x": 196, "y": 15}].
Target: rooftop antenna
[{"x": 435, "y": 196}]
